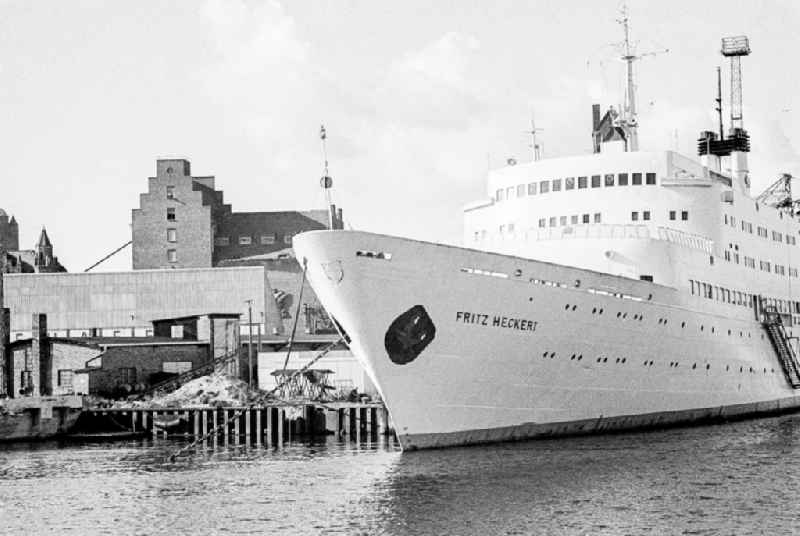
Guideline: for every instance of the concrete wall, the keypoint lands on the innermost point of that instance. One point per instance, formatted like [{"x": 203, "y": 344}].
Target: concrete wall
[
  {"x": 147, "y": 360},
  {"x": 131, "y": 300}
]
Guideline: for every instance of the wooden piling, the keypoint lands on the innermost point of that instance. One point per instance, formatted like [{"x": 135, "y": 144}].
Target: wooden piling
[
  {"x": 280, "y": 426},
  {"x": 133, "y": 421},
  {"x": 196, "y": 423},
  {"x": 247, "y": 417},
  {"x": 368, "y": 423},
  {"x": 205, "y": 422},
  {"x": 237, "y": 417},
  {"x": 258, "y": 427},
  {"x": 227, "y": 424},
  {"x": 269, "y": 426}
]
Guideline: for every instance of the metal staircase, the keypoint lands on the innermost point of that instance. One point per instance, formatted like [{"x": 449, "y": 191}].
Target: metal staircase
[
  {"x": 777, "y": 335},
  {"x": 173, "y": 383}
]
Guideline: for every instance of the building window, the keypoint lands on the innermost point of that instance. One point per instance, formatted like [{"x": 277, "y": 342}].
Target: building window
[
  {"x": 176, "y": 332},
  {"x": 574, "y": 219},
  {"x": 222, "y": 241},
  {"x": 569, "y": 183},
  {"x": 650, "y": 178},
  {"x": 531, "y": 188},
  {"x": 595, "y": 181},
  {"x": 172, "y": 255},
  {"x": 172, "y": 235},
  {"x": 499, "y": 194},
  {"x": 267, "y": 239},
  {"x": 176, "y": 367},
  {"x": 684, "y": 215},
  {"x": 585, "y": 218},
  {"x": 544, "y": 187},
  {"x": 65, "y": 378},
  {"x": 582, "y": 182},
  {"x": 610, "y": 179},
  {"x": 245, "y": 240},
  {"x": 646, "y": 215},
  {"x": 634, "y": 216},
  {"x": 556, "y": 185},
  {"x": 127, "y": 375},
  {"x": 563, "y": 220},
  {"x": 287, "y": 239},
  {"x": 552, "y": 221},
  {"x": 170, "y": 213},
  {"x": 597, "y": 217},
  {"x": 170, "y": 192},
  {"x": 622, "y": 179},
  {"x": 672, "y": 215},
  {"x": 636, "y": 179}
]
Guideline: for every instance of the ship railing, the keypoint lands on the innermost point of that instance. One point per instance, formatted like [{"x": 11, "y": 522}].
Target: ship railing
[
  {"x": 688, "y": 240},
  {"x": 598, "y": 230}
]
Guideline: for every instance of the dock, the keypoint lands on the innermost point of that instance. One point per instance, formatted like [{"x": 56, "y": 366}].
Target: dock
[{"x": 268, "y": 425}]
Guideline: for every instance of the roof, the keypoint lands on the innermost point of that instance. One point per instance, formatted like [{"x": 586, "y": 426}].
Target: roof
[
  {"x": 3, "y": 213},
  {"x": 187, "y": 317},
  {"x": 44, "y": 240},
  {"x": 293, "y": 221}
]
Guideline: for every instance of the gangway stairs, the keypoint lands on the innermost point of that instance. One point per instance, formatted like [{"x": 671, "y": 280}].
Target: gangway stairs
[
  {"x": 777, "y": 335},
  {"x": 203, "y": 370}
]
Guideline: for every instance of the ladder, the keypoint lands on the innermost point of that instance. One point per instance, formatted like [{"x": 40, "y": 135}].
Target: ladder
[
  {"x": 777, "y": 335},
  {"x": 206, "y": 368}
]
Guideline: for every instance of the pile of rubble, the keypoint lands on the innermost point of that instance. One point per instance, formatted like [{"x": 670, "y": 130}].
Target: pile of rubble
[{"x": 215, "y": 390}]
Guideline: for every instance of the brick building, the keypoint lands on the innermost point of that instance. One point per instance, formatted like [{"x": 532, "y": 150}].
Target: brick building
[
  {"x": 40, "y": 259},
  {"x": 183, "y": 222}
]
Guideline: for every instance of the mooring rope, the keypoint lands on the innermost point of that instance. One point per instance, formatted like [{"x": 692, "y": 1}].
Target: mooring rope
[{"x": 259, "y": 400}]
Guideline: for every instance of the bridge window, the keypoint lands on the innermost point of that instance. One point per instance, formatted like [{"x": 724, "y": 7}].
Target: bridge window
[
  {"x": 510, "y": 228},
  {"x": 585, "y": 218},
  {"x": 609, "y": 179},
  {"x": 646, "y": 215},
  {"x": 595, "y": 181},
  {"x": 684, "y": 215},
  {"x": 569, "y": 183},
  {"x": 634, "y": 216},
  {"x": 597, "y": 217},
  {"x": 556, "y": 185},
  {"x": 581, "y": 182},
  {"x": 622, "y": 179},
  {"x": 520, "y": 190},
  {"x": 672, "y": 215},
  {"x": 553, "y": 221},
  {"x": 636, "y": 179},
  {"x": 544, "y": 187},
  {"x": 650, "y": 178},
  {"x": 542, "y": 222},
  {"x": 563, "y": 220},
  {"x": 509, "y": 192},
  {"x": 574, "y": 219},
  {"x": 531, "y": 188}
]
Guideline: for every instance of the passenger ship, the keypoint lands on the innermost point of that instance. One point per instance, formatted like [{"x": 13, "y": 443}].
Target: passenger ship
[{"x": 619, "y": 289}]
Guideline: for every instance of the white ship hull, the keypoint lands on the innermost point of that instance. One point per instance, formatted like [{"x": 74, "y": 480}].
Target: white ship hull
[{"x": 513, "y": 348}]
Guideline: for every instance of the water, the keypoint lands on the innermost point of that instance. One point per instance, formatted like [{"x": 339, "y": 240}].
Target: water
[{"x": 739, "y": 478}]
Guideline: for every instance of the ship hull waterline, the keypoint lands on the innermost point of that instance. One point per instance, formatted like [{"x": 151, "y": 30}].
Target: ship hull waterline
[{"x": 470, "y": 347}]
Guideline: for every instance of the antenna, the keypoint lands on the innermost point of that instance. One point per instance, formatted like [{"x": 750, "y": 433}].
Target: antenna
[
  {"x": 536, "y": 148},
  {"x": 628, "y": 118},
  {"x": 719, "y": 102},
  {"x": 326, "y": 182}
]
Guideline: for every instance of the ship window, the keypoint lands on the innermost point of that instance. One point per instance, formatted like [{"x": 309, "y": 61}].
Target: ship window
[
  {"x": 597, "y": 217},
  {"x": 531, "y": 188},
  {"x": 520, "y": 190},
  {"x": 574, "y": 219},
  {"x": 509, "y": 192},
  {"x": 499, "y": 194},
  {"x": 726, "y": 219},
  {"x": 609, "y": 179},
  {"x": 585, "y": 218},
  {"x": 502, "y": 229},
  {"x": 267, "y": 239},
  {"x": 556, "y": 185},
  {"x": 684, "y": 215},
  {"x": 646, "y": 215},
  {"x": 222, "y": 241},
  {"x": 671, "y": 214},
  {"x": 595, "y": 181},
  {"x": 553, "y": 221},
  {"x": 582, "y": 182},
  {"x": 569, "y": 183},
  {"x": 245, "y": 240},
  {"x": 634, "y": 216},
  {"x": 542, "y": 222},
  {"x": 563, "y": 220},
  {"x": 622, "y": 179},
  {"x": 636, "y": 179},
  {"x": 650, "y": 178},
  {"x": 510, "y": 228},
  {"x": 544, "y": 187}
]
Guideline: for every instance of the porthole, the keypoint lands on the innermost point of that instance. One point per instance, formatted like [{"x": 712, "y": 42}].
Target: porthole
[
  {"x": 574, "y": 307},
  {"x": 645, "y": 363},
  {"x": 683, "y": 324},
  {"x": 518, "y": 273},
  {"x": 599, "y": 359},
  {"x": 624, "y": 315},
  {"x": 617, "y": 360},
  {"x": 624, "y": 359},
  {"x": 552, "y": 355},
  {"x": 544, "y": 354},
  {"x": 708, "y": 366},
  {"x": 600, "y": 311},
  {"x": 572, "y": 357},
  {"x": 729, "y": 332},
  {"x": 530, "y": 299},
  {"x": 702, "y": 328},
  {"x": 651, "y": 363},
  {"x": 727, "y": 367},
  {"x": 594, "y": 310},
  {"x": 741, "y": 369},
  {"x": 641, "y": 317},
  {"x": 619, "y": 314},
  {"x": 712, "y": 329},
  {"x": 580, "y": 357},
  {"x": 694, "y": 366},
  {"x": 605, "y": 360},
  {"x": 566, "y": 307}
]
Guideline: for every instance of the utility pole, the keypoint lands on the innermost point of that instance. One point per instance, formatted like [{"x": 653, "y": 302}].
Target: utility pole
[{"x": 250, "y": 343}]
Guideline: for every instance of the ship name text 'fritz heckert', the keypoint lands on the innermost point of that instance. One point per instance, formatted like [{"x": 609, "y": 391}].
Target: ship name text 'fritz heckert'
[{"x": 496, "y": 321}]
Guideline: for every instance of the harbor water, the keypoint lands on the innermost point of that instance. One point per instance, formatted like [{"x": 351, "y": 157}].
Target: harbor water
[{"x": 736, "y": 478}]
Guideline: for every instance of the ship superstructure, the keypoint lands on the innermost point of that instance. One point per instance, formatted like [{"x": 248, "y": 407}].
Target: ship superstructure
[{"x": 618, "y": 289}]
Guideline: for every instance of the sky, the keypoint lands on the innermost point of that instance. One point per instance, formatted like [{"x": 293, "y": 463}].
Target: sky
[{"x": 419, "y": 99}]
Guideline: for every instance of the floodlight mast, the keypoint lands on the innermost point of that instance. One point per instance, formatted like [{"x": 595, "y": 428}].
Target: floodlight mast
[{"x": 734, "y": 48}]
